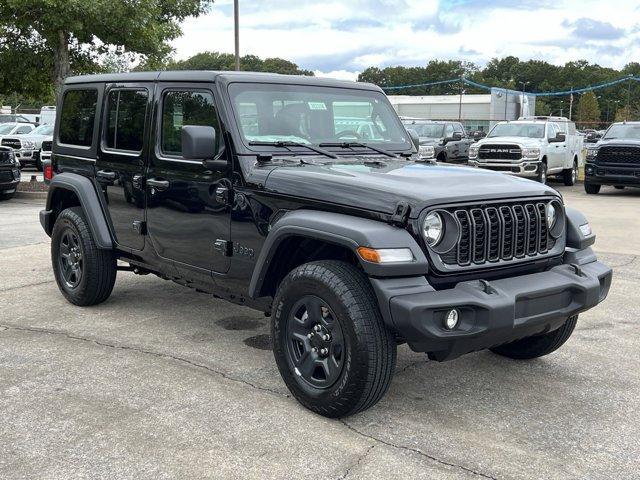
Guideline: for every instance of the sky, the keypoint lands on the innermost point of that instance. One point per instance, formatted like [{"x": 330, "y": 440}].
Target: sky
[{"x": 342, "y": 38}]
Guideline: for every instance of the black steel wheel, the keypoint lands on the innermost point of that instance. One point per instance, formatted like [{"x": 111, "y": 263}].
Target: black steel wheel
[
  {"x": 542, "y": 173},
  {"x": 85, "y": 274},
  {"x": 570, "y": 175},
  {"x": 70, "y": 258},
  {"x": 315, "y": 347},
  {"x": 330, "y": 343}
]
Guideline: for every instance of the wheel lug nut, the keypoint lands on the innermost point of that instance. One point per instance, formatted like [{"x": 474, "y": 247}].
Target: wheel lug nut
[
  {"x": 314, "y": 349},
  {"x": 310, "y": 336},
  {"x": 317, "y": 328},
  {"x": 326, "y": 337},
  {"x": 324, "y": 351}
]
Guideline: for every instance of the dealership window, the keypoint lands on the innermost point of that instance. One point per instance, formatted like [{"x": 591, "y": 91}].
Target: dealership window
[
  {"x": 126, "y": 112},
  {"x": 180, "y": 108},
  {"x": 78, "y": 117}
]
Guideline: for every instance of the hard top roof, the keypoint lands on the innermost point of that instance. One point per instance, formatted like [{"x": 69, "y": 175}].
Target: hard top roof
[{"x": 211, "y": 76}]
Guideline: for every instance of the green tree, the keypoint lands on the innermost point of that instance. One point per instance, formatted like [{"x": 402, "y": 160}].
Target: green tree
[
  {"x": 226, "y": 61},
  {"x": 588, "y": 111},
  {"x": 64, "y": 35}
]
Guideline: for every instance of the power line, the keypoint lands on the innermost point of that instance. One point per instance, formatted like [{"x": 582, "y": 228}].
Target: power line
[{"x": 590, "y": 88}]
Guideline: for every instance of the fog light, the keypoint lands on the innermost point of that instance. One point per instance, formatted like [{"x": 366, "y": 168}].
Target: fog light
[{"x": 451, "y": 321}]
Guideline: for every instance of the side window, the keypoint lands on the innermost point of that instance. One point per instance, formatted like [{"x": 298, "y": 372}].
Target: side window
[
  {"x": 181, "y": 108},
  {"x": 448, "y": 130},
  {"x": 77, "y": 117},
  {"x": 457, "y": 127},
  {"x": 126, "y": 112},
  {"x": 551, "y": 130}
]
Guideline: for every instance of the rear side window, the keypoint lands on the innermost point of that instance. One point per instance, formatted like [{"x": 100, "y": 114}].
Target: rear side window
[
  {"x": 78, "y": 116},
  {"x": 126, "y": 113},
  {"x": 181, "y": 108}
]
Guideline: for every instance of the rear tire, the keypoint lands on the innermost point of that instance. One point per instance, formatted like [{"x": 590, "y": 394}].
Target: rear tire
[
  {"x": 538, "y": 345},
  {"x": 591, "y": 189},
  {"x": 570, "y": 175},
  {"x": 352, "y": 365},
  {"x": 84, "y": 273}
]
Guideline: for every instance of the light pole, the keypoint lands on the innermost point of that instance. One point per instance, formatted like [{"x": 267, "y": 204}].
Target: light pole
[
  {"x": 524, "y": 84},
  {"x": 462, "y": 91},
  {"x": 628, "y": 112},
  {"x": 236, "y": 27}
]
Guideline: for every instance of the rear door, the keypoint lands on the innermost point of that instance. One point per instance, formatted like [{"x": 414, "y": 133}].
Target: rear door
[
  {"x": 121, "y": 160},
  {"x": 188, "y": 213}
]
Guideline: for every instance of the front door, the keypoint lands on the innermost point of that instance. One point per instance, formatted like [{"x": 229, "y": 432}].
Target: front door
[
  {"x": 120, "y": 163},
  {"x": 188, "y": 216}
]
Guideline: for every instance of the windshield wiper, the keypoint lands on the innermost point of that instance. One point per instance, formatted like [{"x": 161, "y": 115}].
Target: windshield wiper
[
  {"x": 289, "y": 143},
  {"x": 358, "y": 144}
]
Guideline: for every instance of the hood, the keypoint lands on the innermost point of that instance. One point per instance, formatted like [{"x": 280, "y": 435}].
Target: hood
[
  {"x": 382, "y": 188},
  {"x": 524, "y": 141},
  {"x": 430, "y": 141},
  {"x": 615, "y": 141}
]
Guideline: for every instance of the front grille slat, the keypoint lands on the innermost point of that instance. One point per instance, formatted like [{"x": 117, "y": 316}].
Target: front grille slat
[
  {"x": 12, "y": 143},
  {"x": 612, "y": 155},
  {"x": 500, "y": 152},
  {"x": 493, "y": 233}
]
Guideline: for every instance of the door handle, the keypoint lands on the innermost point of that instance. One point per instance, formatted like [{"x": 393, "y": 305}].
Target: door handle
[
  {"x": 107, "y": 175},
  {"x": 158, "y": 184}
]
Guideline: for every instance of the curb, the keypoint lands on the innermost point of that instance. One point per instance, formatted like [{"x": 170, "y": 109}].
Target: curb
[{"x": 31, "y": 195}]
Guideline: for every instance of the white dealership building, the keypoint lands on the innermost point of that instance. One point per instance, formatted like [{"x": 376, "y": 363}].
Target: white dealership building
[{"x": 477, "y": 111}]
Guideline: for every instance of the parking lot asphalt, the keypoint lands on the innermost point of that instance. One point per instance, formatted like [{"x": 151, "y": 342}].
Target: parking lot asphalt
[{"x": 163, "y": 382}]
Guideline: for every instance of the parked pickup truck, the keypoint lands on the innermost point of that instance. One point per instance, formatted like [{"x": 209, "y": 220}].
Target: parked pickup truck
[
  {"x": 27, "y": 147},
  {"x": 242, "y": 186},
  {"x": 531, "y": 147},
  {"x": 443, "y": 141}
]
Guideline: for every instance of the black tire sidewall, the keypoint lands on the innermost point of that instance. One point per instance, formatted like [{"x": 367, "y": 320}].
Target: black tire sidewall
[{"x": 69, "y": 219}]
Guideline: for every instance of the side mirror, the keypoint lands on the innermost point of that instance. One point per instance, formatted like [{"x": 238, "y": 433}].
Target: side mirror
[
  {"x": 559, "y": 138},
  {"x": 199, "y": 143},
  {"x": 456, "y": 137},
  {"x": 414, "y": 138}
]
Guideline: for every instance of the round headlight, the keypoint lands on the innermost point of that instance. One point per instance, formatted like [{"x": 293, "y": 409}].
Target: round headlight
[
  {"x": 551, "y": 215},
  {"x": 433, "y": 229}
]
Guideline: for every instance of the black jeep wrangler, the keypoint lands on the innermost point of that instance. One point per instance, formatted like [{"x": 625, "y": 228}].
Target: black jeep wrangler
[
  {"x": 259, "y": 189},
  {"x": 614, "y": 159},
  {"x": 9, "y": 173}
]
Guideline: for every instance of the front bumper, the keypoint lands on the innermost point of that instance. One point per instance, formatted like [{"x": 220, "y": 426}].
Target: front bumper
[
  {"x": 612, "y": 175},
  {"x": 26, "y": 156},
  {"x": 506, "y": 310},
  {"x": 9, "y": 179},
  {"x": 522, "y": 168}
]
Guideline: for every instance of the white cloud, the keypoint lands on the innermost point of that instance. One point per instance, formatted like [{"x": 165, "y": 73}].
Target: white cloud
[{"x": 344, "y": 37}]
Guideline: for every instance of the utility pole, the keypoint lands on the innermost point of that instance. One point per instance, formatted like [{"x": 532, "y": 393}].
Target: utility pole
[
  {"x": 628, "y": 112},
  {"x": 571, "y": 104},
  {"x": 524, "y": 84},
  {"x": 460, "y": 104},
  {"x": 506, "y": 98},
  {"x": 236, "y": 22}
]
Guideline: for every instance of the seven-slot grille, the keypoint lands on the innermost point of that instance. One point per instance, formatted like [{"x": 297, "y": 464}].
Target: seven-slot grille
[
  {"x": 618, "y": 155},
  {"x": 12, "y": 142},
  {"x": 492, "y": 233},
  {"x": 46, "y": 145},
  {"x": 500, "y": 152}
]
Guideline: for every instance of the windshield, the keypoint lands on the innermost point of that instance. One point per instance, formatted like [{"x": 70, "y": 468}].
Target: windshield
[
  {"x": 315, "y": 115},
  {"x": 43, "y": 130},
  {"x": 530, "y": 130},
  {"x": 431, "y": 130},
  {"x": 6, "y": 128},
  {"x": 623, "y": 131}
]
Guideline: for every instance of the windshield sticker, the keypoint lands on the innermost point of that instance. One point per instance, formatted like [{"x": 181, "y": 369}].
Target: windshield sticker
[{"x": 317, "y": 106}]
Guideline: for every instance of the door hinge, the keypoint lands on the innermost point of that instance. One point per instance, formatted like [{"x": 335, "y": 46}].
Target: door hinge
[
  {"x": 223, "y": 247},
  {"x": 400, "y": 215},
  {"x": 140, "y": 227}
]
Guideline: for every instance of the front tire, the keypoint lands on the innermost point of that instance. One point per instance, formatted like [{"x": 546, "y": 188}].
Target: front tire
[
  {"x": 84, "y": 273},
  {"x": 330, "y": 343},
  {"x": 542, "y": 173},
  {"x": 7, "y": 196},
  {"x": 570, "y": 175},
  {"x": 591, "y": 189},
  {"x": 538, "y": 345}
]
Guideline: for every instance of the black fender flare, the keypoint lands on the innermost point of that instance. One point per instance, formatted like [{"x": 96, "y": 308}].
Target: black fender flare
[
  {"x": 344, "y": 230},
  {"x": 575, "y": 237},
  {"x": 89, "y": 201}
]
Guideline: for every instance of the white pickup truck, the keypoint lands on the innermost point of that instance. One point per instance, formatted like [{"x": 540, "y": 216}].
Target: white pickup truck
[{"x": 532, "y": 147}]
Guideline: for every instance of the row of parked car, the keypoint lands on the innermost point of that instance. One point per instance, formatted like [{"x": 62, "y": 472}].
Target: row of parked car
[
  {"x": 537, "y": 147},
  {"x": 21, "y": 144}
]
